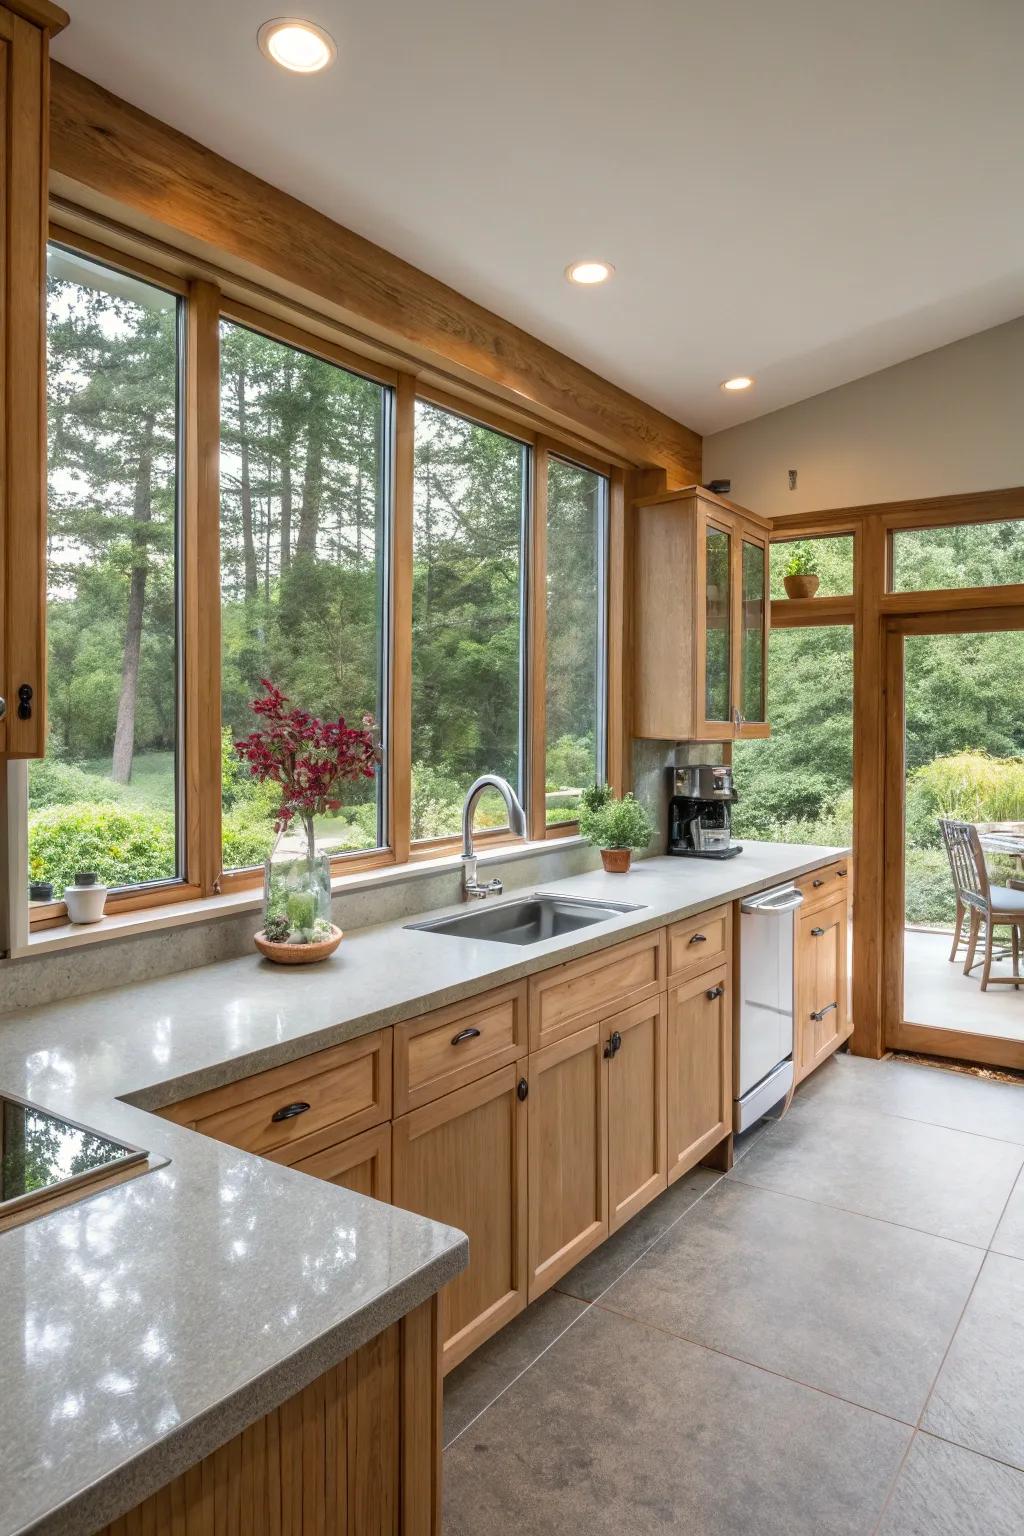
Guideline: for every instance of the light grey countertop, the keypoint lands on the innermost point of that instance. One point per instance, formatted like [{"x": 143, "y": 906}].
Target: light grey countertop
[{"x": 145, "y": 1325}]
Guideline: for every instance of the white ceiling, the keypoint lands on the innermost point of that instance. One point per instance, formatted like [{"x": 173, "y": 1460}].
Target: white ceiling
[{"x": 803, "y": 190}]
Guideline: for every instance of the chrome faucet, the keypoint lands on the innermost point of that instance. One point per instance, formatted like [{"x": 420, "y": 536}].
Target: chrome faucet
[{"x": 471, "y": 887}]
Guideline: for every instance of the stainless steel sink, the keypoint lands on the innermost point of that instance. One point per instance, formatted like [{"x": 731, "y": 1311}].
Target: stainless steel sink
[{"x": 529, "y": 920}]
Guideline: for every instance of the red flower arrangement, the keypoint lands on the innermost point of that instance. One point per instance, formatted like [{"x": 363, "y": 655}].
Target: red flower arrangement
[{"x": 309, "y": 758}]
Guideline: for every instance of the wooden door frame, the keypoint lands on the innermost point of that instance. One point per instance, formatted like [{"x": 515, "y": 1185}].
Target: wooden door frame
[{"x": 899, "y": 1033}]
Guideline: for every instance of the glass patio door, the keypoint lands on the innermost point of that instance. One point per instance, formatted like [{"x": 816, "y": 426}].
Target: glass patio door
[{"x": 955, "y": 755}]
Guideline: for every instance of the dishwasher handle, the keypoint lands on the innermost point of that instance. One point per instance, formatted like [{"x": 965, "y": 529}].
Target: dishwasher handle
[{"x": 772, "y": 902}]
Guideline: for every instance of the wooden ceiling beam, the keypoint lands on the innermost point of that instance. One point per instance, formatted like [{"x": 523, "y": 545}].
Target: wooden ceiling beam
[{"x": 124, "y": 157}]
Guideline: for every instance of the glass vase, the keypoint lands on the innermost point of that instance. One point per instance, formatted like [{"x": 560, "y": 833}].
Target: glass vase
[{"x": 296, "y": 888}]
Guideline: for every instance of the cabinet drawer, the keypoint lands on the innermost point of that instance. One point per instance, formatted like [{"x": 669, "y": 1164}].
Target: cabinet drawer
[
  {"x": 824, "y": 884},
  {"x": 347, "y": 1087},
  {"x": 454, "y": 1046},
  {"x": 698, "y": 942},
  {"x": 568, "y": 997},
  {"x": 361, "y": 1163}
]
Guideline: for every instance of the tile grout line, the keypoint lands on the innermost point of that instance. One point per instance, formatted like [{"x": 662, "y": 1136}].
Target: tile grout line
[
  {"x": 587, "y": 1307},
  {"x": 893, "y": 1114},
  {"x": 885, "y": 1221}
]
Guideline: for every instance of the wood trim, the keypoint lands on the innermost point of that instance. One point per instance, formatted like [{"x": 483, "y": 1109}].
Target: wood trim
[
  {"x": 202, "y": 595},
  {"x": 398, "y": 761},
  {"x": 422, "y": 1421},
  {"x": 944, "y": 601},
  {"x": 291, "y": 335},
  {"x": 113, "y": 256},
  {"x": 123, "y": 155},
  {"x": 483, "y": 415},
  {"x": 809, "y": 612},
  {"x": 724, "y": 511},
  {"x": 341, "y": 864},
  {"x": 957, "y": 1045},
  {"x": 537, "y": 644},
  {"x": 870, "y": 852},
  {"x": 915, "y": 512},
  {"x": 964, "y": 621},
  {"x": 580, "y": 458},
  {"x": 42, "y": 13},
  {"x": 619, "y": 650},
  {"x": 54, "y": 914}
]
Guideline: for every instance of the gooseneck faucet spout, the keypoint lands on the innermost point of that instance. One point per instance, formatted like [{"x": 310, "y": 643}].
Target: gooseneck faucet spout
[{"x": 516, "y": 820}]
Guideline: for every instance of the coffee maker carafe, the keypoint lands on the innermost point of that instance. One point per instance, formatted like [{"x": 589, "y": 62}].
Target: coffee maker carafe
[{"x": 699, "y": 814}]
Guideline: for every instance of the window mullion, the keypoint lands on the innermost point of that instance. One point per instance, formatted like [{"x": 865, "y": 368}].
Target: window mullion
[
  {"x": 398, "y": 753},
  {"x": 537, "y": 643},
  {"x": 201, "y": 639}
]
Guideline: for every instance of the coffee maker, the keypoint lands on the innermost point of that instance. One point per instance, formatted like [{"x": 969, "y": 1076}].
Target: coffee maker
[{"x": 699, "y": 815}]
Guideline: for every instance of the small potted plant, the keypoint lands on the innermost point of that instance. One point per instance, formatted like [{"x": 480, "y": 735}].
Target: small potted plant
[
  {"x": 309, "y": 760},
  {"x": 614, "y": 826},
  {"x": 799, "y": 577}
]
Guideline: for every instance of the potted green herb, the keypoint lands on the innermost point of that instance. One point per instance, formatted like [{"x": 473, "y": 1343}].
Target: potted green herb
[
  {"x": 799, "y": 576},
  {"x": 614, "y": 826}
]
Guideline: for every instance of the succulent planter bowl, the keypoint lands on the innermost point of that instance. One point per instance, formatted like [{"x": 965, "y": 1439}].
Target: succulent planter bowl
[
  {"x": 298, "y": 954},
  {"x": 801, "y": 586}
]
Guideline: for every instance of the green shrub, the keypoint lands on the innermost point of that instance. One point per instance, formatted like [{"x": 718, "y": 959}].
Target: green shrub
[
  {"x": 124, "y": 847},
  {"x": 570, "y": 762},
  {"x": 970, "y": 786},
  {"x": 51, "y": 782},
  {"x": 930, "y": 899},
  {"x": 247, "y": 836}
]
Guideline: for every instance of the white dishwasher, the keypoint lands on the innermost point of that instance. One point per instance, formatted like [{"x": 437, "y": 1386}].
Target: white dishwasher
[{"x": 765, "y": 1068}]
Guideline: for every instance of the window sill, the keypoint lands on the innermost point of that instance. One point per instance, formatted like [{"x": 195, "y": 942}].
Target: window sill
[{"x": 180, "y": 914}]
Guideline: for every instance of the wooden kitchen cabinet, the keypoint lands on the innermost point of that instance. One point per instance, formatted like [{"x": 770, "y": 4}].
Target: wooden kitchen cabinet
[
  {"x": 699, "y": 1068},
  {"x": 820, "y": 971},
  {"x": 462, "y": 1159},
  {"x": 26, "y": 27},
  {"x": 637, "y": 1146},
  {"x": 701, "y": 616},
  {"x": 360, "y": 1163},
  {"x": 568, "y": 1154}
]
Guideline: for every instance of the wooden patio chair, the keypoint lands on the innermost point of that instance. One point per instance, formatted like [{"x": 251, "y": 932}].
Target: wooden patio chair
[{"x": 983, "y": 903}]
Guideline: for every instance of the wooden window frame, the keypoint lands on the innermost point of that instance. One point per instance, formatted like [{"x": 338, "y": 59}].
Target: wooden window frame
[{"x": 206, "y": 303}]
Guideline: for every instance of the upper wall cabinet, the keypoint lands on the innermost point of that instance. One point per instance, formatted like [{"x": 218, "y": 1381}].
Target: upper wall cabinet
[
  {"x": 700, "y": 625},
  {"x": 25, "y": 30}
]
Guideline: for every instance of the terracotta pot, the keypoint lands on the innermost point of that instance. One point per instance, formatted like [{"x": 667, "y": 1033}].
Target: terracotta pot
[
  {"x": 616, "y": 861},
  {"x": 298, "y": 954},
  {"x": 801, "y": 586}
]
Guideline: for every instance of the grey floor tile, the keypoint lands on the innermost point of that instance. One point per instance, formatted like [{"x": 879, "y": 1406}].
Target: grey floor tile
[
  {"x": 1009, "y": 1236},
  {"x": 742, "y": 1144},
  {"x": 477, "y": 1381},
  {"x": 608, "y": 1263},
  {"x": 620, "y": 1429},
  {"x": 932, "y": 1094},
  {"x": 941, "y": 1181},
  {"x": 794, "y": 1286},
  {"x": 978, "y": 1400},
  {"x": 944, "y": 1490}
]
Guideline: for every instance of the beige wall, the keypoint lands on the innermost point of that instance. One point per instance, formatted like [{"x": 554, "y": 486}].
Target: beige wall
[{"x": 949, "y": 421}]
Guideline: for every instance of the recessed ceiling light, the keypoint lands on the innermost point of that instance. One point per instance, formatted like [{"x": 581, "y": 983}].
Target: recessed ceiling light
[
  {"x": 298, "y": 45},
  {"x": 589, "y": 272},
  {"x": 740, "y": 382}
]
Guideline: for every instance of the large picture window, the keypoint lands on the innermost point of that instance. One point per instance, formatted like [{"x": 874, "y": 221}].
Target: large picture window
[
  {"x": 106, "y": 796},
  {"x": 303, "y": 474},
  {"x": 576, "y": 606},
  {"x": 468, "y": 517}
]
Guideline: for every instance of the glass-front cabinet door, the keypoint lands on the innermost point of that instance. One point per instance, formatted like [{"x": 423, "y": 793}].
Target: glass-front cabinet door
[
  {"x": 718, "y": 671},
  {"x": 752, "y": 702}
]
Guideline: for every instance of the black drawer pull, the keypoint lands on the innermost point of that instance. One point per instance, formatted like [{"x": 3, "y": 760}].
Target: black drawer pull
[
  {"x": 614, "y": 1044},
  {"x": 289, "y": 1111},
  {"x": 817, "y": 883},
  {"x": 469, "y": 1033},
  {"x": 522, "y": 1089},
  {"x": 698, "y": 938},
  {"x": 714, "y": 992},
  {"x": 829, "y": 1008},
  {"x": 841, "y": 873},
  {"x": 816, "y": 933}
]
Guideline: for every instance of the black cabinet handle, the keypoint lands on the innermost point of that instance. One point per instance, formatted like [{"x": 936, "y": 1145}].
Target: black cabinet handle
[
  {"x": 829, "y": 1008},
  {"x": 816, "y": 933},
  {"x": 614, "y": 1044},
  {"x": 289, "y": 1111},
  {"x": 25, "y": 702},
  {"x": 698, "y": 938},
  {"x": 841, "y": 873},
  {"x": 817, "y": 883},
  {"x": 469, "y": 1033},
  {"x": 522, "y": 1089},
  {"x": 714, "y": 992}
]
